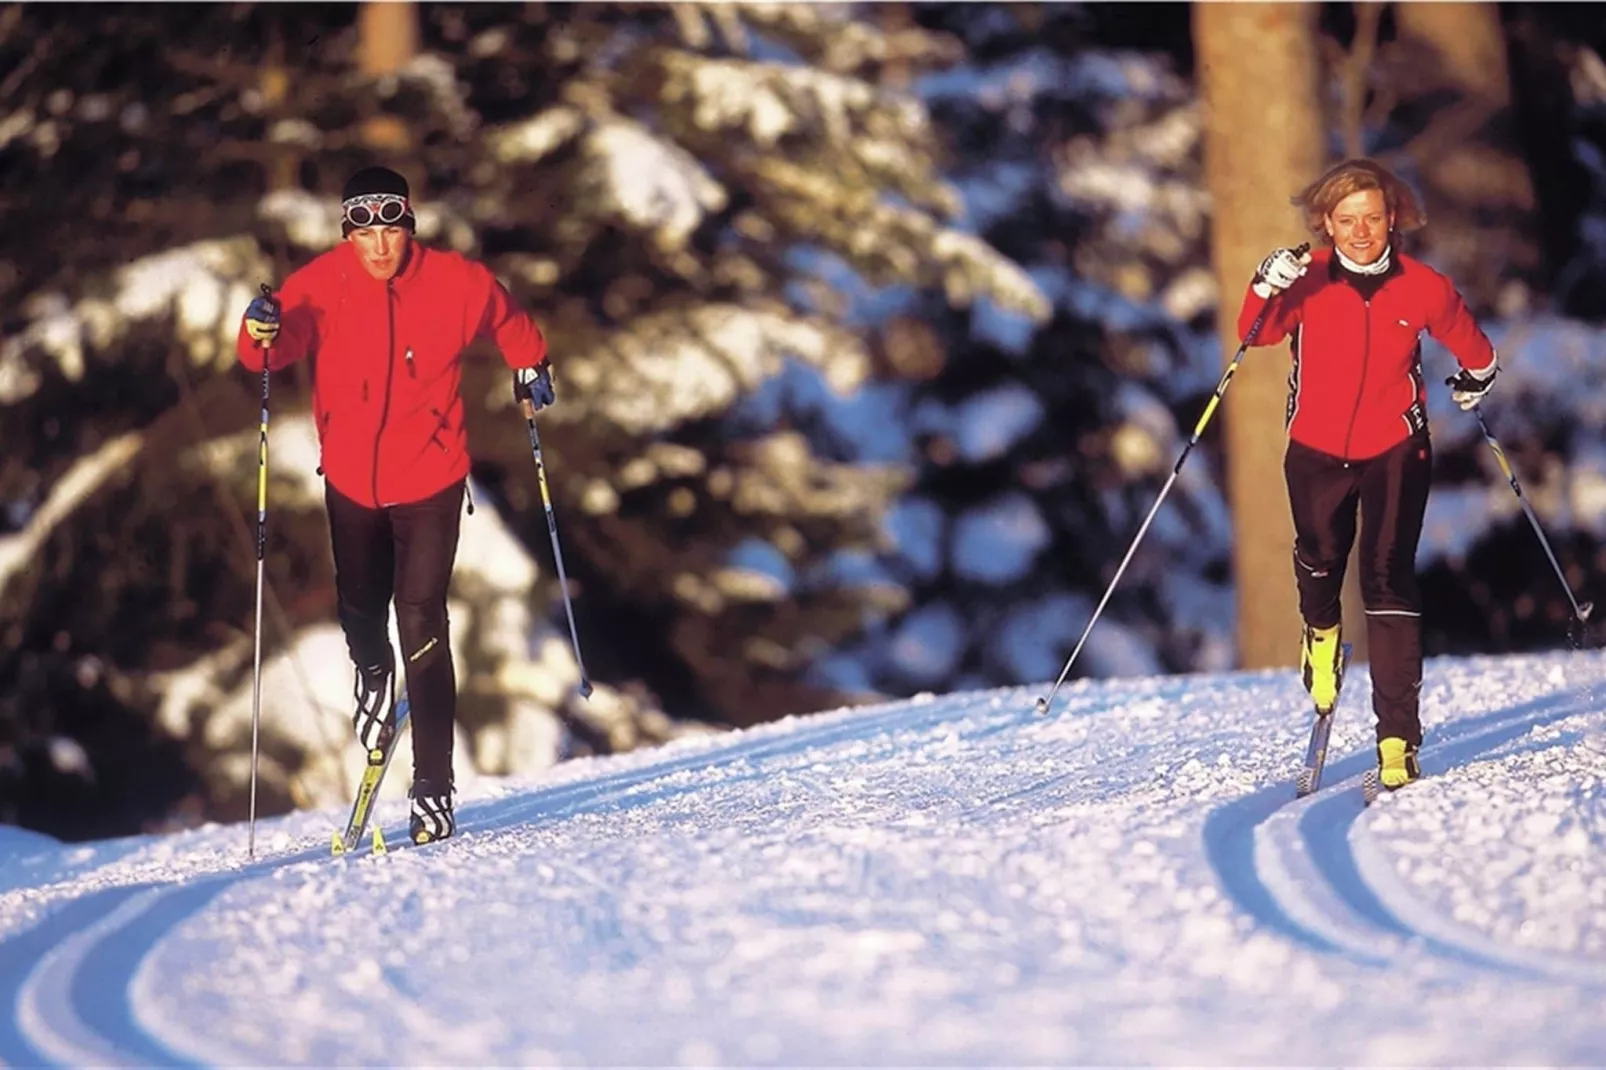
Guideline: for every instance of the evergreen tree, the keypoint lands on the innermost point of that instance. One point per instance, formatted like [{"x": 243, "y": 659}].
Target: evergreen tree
[
  {"x": 1041, "y": 448},
  {"x": 681, "y": 194}
]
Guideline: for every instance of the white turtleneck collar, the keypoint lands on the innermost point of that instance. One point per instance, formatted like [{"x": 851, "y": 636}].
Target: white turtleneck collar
[{"x": 1376, "y": 267}]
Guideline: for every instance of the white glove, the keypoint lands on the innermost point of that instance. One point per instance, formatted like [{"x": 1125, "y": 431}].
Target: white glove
[{"x": 1279, "y": 271}]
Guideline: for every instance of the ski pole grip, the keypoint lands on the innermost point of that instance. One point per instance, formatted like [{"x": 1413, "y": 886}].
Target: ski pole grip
[{"x": 267, "y": 291}]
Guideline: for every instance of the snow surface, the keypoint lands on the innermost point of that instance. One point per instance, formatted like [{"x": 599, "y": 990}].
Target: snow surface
[{"x": 934, "y": 881}]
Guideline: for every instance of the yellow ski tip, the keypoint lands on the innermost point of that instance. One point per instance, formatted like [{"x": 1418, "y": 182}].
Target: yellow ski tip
[
  {"x": 379, "y": 842},
  {"x": 337, "y": 845}
]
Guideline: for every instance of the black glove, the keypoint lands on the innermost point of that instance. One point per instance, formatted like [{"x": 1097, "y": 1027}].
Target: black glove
[
  {"x": 534, "y": 385},
  {"x": 1468, "y": 388}
]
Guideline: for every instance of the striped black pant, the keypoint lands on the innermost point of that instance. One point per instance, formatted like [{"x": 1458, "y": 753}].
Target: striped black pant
[
  {"x": 1390, "y": 493},
  {"x": 405, "y": 552}
]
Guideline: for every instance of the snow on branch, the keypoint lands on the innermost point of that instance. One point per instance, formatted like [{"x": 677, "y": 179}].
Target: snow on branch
[
  {"x": 293, "y": 446},
  {"x": 438, "y": 78},
  {"x": 627, "y": 174},
  {"x": 831, "y": 36},
  {"x": 783, "y": 478},
  {"x": 308, "y": 222},
  {"x": 204, "y": 286},
  {"x": 969, "y": 266},
  {"x": 765, "y": 100},
  {"x": 889, "y": 242},
  {"x": 77, "y": 486},
  {"x": 670, "y": 367},
  {"x": 650, "y": 184},
  {"x": 1150, "y": 169},
  {"x": 535, "y": 138},
  {"x": 852, "y": 125}
]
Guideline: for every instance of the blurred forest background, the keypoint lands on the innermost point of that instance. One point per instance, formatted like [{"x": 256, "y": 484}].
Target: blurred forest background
[{"x": 876, "y": 328}]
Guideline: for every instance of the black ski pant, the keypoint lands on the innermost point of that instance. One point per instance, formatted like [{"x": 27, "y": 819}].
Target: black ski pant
[
  {"x": 405, "y": 552},
  {"x": 1391, "y": 493}
]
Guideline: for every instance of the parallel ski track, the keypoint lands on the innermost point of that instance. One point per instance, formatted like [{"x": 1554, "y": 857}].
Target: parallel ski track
[
  {"x": 1304, "y": 868},
  {"x": 56, "y": 976},
  {"x": 1308, "y": 868}
]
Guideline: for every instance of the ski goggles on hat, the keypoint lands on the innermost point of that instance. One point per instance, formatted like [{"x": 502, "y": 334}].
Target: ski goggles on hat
[{"x": 376, "y": 209}]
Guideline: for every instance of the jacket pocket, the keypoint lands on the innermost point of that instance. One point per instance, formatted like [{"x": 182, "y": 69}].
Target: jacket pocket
[{"x": 442, "y": 431}]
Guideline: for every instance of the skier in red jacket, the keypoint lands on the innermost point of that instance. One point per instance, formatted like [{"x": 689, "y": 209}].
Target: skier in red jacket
[
  {"x": 1358, "y": 429},
  {"x": 385, "y": 320}
]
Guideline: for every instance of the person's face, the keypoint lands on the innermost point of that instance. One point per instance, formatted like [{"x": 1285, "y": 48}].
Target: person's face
[
  {"x": 381, "y": 249},
  {"x": 1359, "y": 225}
]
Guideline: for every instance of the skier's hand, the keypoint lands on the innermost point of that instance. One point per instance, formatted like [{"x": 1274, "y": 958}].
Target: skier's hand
[
  {"x": 262, "y": 319},
  {"x": 1280, "y": 270},
  {"x": 534, "y": 385},
  {"x": 1467, "y": 387}
]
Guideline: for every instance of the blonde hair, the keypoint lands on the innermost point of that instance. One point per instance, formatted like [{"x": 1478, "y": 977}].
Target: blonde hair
[{"x": 1318, "y": 199}]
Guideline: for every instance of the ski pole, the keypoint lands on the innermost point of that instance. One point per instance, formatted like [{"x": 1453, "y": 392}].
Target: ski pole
[
  {"x": 557, "y": 551},
  {"x": 1580, "y": 610},
  {"x": 1176, "y": 469},
  {"x": 262, "y": 547}
]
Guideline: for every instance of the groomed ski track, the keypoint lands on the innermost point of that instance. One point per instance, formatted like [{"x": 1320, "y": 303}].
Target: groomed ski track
[{"x": 79, "y": 978}]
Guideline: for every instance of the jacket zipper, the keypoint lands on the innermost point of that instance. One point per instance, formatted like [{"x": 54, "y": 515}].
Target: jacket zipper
[
  {"x": 1360, "y": 388},
  {"x": 390, "y": 375}
]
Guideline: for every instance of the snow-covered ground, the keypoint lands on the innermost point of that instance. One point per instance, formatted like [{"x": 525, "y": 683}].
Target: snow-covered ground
[{"x": 949, "y": 880}]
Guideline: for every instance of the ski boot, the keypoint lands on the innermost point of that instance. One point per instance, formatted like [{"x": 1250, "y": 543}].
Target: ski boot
[
  {"x": 431, "y": 816},
  {"x": 374, "y": 719},
  {"x": 1323, "y": 657},
  {"x": 1396, "y": 763},
  {"x": 1396, "y": 767},
  {"x": 1321, "y": 665}
]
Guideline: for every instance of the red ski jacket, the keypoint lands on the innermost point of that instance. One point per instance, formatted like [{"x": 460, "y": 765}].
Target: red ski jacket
[
  {"x": 1356, "y": 388},
  {"x": 386, "y": 364}
]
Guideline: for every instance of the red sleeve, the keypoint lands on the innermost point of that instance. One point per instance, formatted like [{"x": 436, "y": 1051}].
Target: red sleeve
[
  {"x": 298, "y": 329},
  {"x": 505, "y": 323},
  {"x": 1282, "y": 315},
  {"x": 1452, "y": 324},
  {"x": 1253, "y": 305}
]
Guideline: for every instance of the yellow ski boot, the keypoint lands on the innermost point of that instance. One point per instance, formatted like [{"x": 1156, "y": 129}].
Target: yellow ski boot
[
  {"x": 1321, "y": 665},
  {"x": 1396, "y": 763}
]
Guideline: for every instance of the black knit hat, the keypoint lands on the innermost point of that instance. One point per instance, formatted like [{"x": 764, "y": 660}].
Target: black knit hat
[{"x": 376, "y": 182}]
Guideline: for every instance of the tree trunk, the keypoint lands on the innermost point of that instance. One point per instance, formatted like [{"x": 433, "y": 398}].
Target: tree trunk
[
  {"x": 1258, "y": 69},
  {"x": 387, "y": 39},
  {"x": 1449, "y": 62}
]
